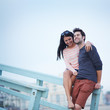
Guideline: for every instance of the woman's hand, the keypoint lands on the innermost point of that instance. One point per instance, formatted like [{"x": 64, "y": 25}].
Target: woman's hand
[
  {"x": 88, "y": 46},
  {"x": 75, "y": 73}
]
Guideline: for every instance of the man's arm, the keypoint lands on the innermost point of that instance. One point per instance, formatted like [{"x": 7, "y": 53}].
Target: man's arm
[
  {"x": 94, "y": 56},
  {"x": 99, "y": 74}
]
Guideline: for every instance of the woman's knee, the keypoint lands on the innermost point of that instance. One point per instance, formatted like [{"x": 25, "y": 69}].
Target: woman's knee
[
  {"x": 67, "y": 73},
  {"x": 66, "y": 78}
]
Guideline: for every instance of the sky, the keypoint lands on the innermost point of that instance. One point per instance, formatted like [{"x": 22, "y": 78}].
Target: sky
[{"x": 30, "y": 32}]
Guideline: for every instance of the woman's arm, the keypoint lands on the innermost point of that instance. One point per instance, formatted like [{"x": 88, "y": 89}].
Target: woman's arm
[
  {"x": 69, "y": 66},
  {"x": 88, "y": 46}
]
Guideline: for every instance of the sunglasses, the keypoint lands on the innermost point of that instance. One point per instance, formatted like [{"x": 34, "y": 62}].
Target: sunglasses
[{"x": 65, "y": 33}]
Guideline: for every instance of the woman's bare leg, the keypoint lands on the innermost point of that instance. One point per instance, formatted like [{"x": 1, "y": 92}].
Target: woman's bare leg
[
  {"x": 68, "y": 79},
  {"x": 73, "y": 80}
]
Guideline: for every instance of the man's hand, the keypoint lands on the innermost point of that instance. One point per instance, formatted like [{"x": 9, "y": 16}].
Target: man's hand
[
  {"x": 88, "y": 46},
  {"x": 97, "y": 86},
  {"x": 75, "y": 73}
]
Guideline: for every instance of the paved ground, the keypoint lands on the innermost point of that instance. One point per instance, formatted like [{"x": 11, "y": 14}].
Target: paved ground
[{"x": 102, "y": 107}]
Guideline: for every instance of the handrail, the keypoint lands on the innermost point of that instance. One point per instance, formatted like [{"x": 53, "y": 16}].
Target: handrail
[
  {"x": 40, "y": 77},
  {"x": 32, "y": 74}
]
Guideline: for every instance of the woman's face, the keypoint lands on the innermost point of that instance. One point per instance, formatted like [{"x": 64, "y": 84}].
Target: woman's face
[{"x": 68, "y": 41}]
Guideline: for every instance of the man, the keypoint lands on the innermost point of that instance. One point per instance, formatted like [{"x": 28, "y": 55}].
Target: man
[{"x": 89, "y": 74}]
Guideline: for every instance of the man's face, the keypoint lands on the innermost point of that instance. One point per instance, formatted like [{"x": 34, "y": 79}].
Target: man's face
[
  {"x": 68, "y": 41},
  {"x": 78, "y": 38}
]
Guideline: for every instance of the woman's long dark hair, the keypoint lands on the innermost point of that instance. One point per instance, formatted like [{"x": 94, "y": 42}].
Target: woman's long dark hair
[{"x": 62, "y": 44}]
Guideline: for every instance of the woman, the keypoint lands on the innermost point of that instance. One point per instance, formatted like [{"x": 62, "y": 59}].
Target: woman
[{"x": 70, "y": 52}]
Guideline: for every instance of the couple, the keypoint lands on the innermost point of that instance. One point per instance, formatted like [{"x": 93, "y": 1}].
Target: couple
[{"x": 83, "y": 67}]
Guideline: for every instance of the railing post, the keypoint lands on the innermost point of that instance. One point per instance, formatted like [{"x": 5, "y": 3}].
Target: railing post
[
  {"x": 32, "y": 100},
  {"x": 0, "y": 72},
  {"x": 95, "y": 99},
  {"x": 39, "y": 82},
  {"x": 38, "y": 96}
]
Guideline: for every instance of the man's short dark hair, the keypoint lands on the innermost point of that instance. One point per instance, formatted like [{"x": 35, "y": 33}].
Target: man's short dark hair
[{"x": 79, "y": 30}]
